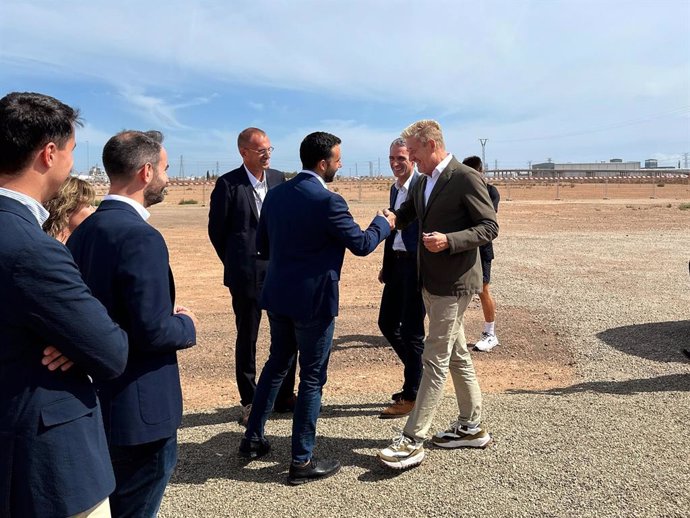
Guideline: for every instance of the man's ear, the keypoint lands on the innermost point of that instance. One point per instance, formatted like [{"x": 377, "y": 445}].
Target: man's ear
[
  {"x": 47, "y": 154},
  {"x": 145, "y": 174}
]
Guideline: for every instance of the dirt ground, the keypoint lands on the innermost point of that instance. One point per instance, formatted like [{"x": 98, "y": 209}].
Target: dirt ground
[{"x": 531, "y": 356}]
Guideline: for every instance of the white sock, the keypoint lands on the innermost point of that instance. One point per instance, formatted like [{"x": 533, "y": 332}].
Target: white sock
[{"x": 490, "y": 328}]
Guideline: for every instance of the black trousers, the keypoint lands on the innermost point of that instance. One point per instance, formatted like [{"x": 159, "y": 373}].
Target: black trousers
[
  {"x": 247, "y": 320},
  {"x": 401, "y": 320}
]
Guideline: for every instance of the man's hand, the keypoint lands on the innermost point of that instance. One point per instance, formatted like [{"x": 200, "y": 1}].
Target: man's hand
[
  {"x": 435, "y": 241},
  {"x": 390, "y": 216},
  {"x": 54, "y": 359},
  {"x": 182, "y": 310}
]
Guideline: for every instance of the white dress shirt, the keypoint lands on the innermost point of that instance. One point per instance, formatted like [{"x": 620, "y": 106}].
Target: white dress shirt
[
  {"x": 403, "y": 190},
  {"x": 431, "y": 181},
  {"x": 260, "y": 189},
  {"x": 145, "y": 214}
]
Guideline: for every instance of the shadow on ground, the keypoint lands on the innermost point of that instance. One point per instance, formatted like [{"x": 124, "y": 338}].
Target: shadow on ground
[
  {"x": 670, "y": 383},
  {"x": 217, "y": 458},
  {"x": 658, "y": 341},
  {"x": 230, "y": 415}
]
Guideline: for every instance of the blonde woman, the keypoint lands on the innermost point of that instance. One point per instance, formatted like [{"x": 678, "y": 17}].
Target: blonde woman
[{"x": 72, "y": 205}]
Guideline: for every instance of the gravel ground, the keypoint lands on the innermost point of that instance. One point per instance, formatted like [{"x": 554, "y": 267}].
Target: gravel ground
[{"x": 615, "y": 443}]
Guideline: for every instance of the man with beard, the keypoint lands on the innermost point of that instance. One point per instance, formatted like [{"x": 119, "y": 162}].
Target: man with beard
[
  {"x": 303, "y": 231},
  {"x": 124, "y": 261}
]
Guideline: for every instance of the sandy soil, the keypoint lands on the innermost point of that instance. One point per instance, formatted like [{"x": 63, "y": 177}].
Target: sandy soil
[{"x": 531, "y": 356}]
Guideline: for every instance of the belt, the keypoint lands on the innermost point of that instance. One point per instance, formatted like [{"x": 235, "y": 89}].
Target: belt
[{"x": 399, "y": 254}]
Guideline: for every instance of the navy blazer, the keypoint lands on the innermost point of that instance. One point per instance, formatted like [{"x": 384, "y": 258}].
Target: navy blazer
[
  {"x": 304, "y": 230},
  {"x": 124, "y": 261},
  {"x": 410, "y": 234},
  {"x": 54, "y": 459},
  {"x": 232, "y": 223}
]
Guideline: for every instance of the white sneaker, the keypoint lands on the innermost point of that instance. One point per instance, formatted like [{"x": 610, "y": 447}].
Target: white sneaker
[
  {"x": 458, "y": 436},
  {"x": 486, "y": 342},
  {"x": 402, "y": 453}
]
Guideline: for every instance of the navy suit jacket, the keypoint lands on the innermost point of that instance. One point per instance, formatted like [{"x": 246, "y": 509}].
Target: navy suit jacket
[
  {"x": 232, "y": 223},
  {"x": 410, "y": 234},
  {"x": 486, "y": 252},
  {"x": 304, "y": 230},
  {"x": 124, "y": 261},
  {"x": 53, "y": 453}
]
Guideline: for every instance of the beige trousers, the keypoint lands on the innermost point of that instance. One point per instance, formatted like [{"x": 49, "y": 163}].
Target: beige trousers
[
  {"x": 445, "y": 349},
  {"x": 100, "y": 510}
]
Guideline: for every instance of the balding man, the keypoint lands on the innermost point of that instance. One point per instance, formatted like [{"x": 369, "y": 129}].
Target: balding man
[{"x": 233, "y": 218}]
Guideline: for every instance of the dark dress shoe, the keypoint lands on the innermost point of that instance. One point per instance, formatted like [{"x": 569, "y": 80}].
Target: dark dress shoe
[
  {"x": 285, "y": 406},
  {"x": 314, "y": 470},
  {"x": 254, "y": 448},
  {"x": 398, "y": 396}
]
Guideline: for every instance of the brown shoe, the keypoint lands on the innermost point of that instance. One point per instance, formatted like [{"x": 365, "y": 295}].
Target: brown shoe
[{"x": 401, "y": 408}]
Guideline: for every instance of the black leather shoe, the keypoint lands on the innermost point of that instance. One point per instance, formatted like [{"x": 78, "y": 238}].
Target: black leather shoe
[
  {"x": 285, "y": 406},
  {"x": 315, "y": 470},
  {"x": 254, "y": 448},
  {"x": 398, "y": 396}
]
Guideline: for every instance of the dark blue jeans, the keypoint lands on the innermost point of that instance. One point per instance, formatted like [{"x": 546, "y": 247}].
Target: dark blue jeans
[
  {"x": 141, "y": 473},
  {"x": 312, "y": 339}
]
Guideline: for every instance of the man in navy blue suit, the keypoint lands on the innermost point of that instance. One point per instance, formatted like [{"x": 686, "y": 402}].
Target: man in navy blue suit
[
  {"x": 53, "y": 453},
  {"x": 401, "y": 316},
  {"x": 303, "y": 232},
  {"x": 124, "y": 261}
]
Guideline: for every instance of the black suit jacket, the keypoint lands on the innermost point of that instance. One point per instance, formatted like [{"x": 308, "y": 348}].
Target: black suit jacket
[
  {"x": 232, "y": 223},
  {"x": 486, "y": 252},
  {"x": 410, "y": 235},
  {"x": 54, "y": 459},
  {"x": 124, "y": 261}
]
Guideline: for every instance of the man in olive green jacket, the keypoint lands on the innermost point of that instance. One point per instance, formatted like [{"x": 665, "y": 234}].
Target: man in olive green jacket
[{"x": 456, "y": 216}]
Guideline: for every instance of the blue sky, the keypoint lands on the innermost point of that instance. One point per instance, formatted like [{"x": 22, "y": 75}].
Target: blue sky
[{"x": 570, "y": 80}]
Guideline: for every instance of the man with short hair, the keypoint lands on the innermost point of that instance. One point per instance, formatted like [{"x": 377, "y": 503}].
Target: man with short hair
[
  {"x": 303, "y": 232},
  {"x": 455, "y": 216},
  {"x": 488, "y": 339},
  {"x": 124, "y": 261},
  {"x": 53, "y": 452},
  {"x": 236, "y": 204},
  {"x": 401, "y": 316}
]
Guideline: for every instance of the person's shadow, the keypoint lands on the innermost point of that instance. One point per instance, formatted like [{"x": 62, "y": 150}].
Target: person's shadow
[
  {"x": 658, "y": 341},
  {"x": 218, "y": 458}
]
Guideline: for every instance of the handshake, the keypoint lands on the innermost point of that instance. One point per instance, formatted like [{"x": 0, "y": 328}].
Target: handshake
[{"x": 390, "y": 216}]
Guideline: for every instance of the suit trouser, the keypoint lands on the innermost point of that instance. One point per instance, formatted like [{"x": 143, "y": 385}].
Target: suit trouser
[
  {"x": 401, "y": 320},
  {"x": 142, "y": 472},
  {"x": 445, "y": 350},
  {"x": 247, "y": 320}
]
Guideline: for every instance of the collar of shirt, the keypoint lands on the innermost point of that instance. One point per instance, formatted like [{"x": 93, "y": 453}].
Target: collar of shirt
[
  {"x": 38, "y": 210},
  {"x": 406, "y": 186},
  {"x": 253, "y": 180},
  {"x": 441, "y": 166},
  {"x": 315, "y": 175},
  {"x": 145, "y": 214}
]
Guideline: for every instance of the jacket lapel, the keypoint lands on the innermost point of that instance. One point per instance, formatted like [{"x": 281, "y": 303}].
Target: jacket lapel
[{"x": 249, "y": 192}]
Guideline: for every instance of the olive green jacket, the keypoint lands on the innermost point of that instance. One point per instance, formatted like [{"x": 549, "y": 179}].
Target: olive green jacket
[{"x": 459, "y": 206}]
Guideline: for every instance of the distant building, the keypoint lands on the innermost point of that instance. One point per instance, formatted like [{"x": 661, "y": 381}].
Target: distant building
[
  {"x": 651, "y": 163},
  {"x": 616, "y": 167}
]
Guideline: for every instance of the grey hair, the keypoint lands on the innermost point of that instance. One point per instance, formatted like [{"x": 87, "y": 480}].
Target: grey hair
[{"x": 425, "y": 130}]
